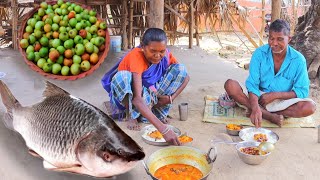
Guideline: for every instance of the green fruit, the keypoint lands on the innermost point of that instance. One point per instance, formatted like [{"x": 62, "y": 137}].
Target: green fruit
[
  {"x": 79, "y": 26},
  {"x": 73, "y": 33},
  {"x": 85, "y": 41},
  {"x": 78, "y": 39},
  {"x": 89, "y": 47},
  {"x": 29, "y": 49},
  {"x": 75, "y": 69},
  {"x": 78, "y": 17},
  {"x": 63, "y": 23},
  {"x": 36, "y": 56},
  {"x": 79, "y": 49},
  {"x": 60, "y": 2},
  {"x": 103, "y": 25},
  {"x": 56, "y": 19},
  {"x": 37, "y": 34},
  {"x": 49, "y": 11},
  {"x": 30, "y": 56},
  {"x": 95, "y": 49},
  {"x": 37, "y": 17},
  {"x": 92, "y": 19},
  {"x": 33, "y": 22},
  {"x": 60, "y": 59},
  {"x": 49, "y": 61},
  {"x": 41, "y": 62},
  {"x": 44, "y": 41},
  {"x": 64, "y": 36},
  {"x": 92, "y": 13},
  {"x": 68, "y": 44},
  {"x": 88, "y": 36},
  {"x": 56, "y": 68},
  {"x": 39, "y": 25},
  {"x": 55, "y": 27},
  {"x": 43, "y": 52},
  {"x": 64, "y": 11},
  {"x": 61, "y": 49},
  {"x": 62, "y": 29},
  {"x": 93, "y": 29},
  {"x": 24, "y": 43},
  {"x": 65, "y": 70},
  {"x": 58, "y": 11},
  {"x": 76, "y": 59},
  {"x": 85, "y": 66},
  {"x": 54, "y": 7},
  {"x": 73, "y": 22},
  {"x": 29, "y": 29},
  {"x": 41, "y": 12},
  {"x": 56, "y": 43},
  {"x": 47, "y": 67},
  {"x": 32, "y": 39},
  {"x": 77, "y": 9}
]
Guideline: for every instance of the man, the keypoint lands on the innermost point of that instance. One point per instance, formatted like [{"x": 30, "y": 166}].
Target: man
[{"x": 278, "y": 82}]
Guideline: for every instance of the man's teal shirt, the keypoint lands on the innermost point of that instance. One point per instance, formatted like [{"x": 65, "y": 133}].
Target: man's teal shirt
[{"x": 292, "y": 76}]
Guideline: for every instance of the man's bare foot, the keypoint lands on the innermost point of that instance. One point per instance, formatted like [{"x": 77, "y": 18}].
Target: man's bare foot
[
  {"x": 133, "y": 124},
  {"x": 277, "y": 119}
]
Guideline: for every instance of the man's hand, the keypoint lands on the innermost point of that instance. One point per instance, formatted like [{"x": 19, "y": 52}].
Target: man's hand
[
  {"x": 256, "y": 117},
  {"x": 162, "y": 100},
  {"x": 266, "y": 98},
  {"x": 171, "y": 138}
]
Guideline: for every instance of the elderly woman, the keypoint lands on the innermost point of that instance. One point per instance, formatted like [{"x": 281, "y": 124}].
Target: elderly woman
[{"x": 146, "y": 82}]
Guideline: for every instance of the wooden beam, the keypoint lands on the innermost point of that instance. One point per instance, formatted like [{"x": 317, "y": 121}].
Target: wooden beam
[
  {"x": 14, "y": 24},
  {"x": 191, "y": 24},
  {"x": 263, "y": 23},
  {"x": 124, "y": 25},
  {"x": 156, "y": 14},
  {"x": 130, "y": 24},
  {"x": 244, "y": 31},
  {"x": 196, "y": 22},
  {"x": 275, "y": 10}
]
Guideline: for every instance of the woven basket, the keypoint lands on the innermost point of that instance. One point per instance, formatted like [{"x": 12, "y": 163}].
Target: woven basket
[{"x": 102, "y": 55}]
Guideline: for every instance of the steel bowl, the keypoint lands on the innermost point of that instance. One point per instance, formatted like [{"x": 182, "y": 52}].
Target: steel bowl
[
  {"x": 181, "y": 155},
  {"x": 248, "y": 158},
  {"x": 233, "y": 132}
]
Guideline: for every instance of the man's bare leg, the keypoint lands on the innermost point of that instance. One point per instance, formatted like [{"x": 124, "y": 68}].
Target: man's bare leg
[
  {"x": 132, "y": 124},
  {"x": 300, "y": 109},
  {"x": 235, "y": 91}
]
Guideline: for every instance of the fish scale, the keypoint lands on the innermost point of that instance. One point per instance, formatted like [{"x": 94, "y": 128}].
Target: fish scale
[
  {"x": 71, "y": 134},
  {"x": 46, "y": 139}
]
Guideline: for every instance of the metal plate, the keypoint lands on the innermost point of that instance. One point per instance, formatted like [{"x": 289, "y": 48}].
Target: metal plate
[
  {"x": 248, "y": 133},
  {"x": 157, "y": 142}
]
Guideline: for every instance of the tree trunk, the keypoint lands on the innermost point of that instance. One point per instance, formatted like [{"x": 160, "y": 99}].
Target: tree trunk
[
  {"x": 307, "y": 37},
  {"x": 276, "y": 10}
]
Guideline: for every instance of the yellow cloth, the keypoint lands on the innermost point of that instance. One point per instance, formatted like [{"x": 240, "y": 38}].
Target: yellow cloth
[{"x": 216, "y": 114}]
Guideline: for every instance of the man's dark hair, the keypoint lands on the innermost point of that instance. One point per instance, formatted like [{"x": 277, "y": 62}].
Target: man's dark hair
[
  {"x": 153, "y": 34},
  {"x": 280, "y": 25}
]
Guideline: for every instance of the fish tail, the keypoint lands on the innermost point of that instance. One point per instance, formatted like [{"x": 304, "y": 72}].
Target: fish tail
[{"x": 10, "y": 102}]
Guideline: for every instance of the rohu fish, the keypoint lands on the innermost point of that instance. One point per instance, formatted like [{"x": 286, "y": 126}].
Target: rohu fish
[{"x": 70, "y": 134}]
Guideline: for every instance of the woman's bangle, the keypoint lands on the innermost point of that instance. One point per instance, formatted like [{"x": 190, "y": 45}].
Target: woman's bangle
[
  {"x": 166, "y": 130},
  {"x": 170, "y": 98}
]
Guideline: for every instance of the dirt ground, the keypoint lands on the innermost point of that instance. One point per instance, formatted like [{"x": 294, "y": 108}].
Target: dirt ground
[{"x": 297, "y": 152}]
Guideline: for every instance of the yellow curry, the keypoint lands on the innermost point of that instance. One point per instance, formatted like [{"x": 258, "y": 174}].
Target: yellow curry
[{"x": 178, "y": 172}]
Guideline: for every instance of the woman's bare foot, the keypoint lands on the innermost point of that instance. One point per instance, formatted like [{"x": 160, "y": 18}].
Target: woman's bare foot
[{"x": 133, "y": 124}]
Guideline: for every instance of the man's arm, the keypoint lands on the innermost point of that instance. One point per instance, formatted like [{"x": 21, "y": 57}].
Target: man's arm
[
  {"x": 269, "y": 97},
  {"x": 256, "y": 114}
]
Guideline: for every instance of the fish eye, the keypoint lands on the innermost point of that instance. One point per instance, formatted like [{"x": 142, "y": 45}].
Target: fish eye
[{"x": 120, "y": 152}]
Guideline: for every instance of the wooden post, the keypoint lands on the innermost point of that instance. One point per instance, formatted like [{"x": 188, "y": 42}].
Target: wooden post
[
  {"x": 124, "y": 25},
  {"x": 263, "y": 23},
  {"x": 191, "y": 25},
  {"x": 130, "y": 24},
  {"x": 276, "y": 10},
  {"x": 156, "y": 14},
  {"x": 15, "y": 19},
  {"x": 197, "y": 27}
]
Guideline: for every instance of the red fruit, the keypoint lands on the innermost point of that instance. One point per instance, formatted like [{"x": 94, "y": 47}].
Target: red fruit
[
  {"x": 101, "y": 48},
  {"x": 102, "y": 33},
  {"x": 71, "y": 15},
  {"x": 54, "y": 55},
  {"x": 85, "y": 57},
  {"x": 67, "y": 62},
  {"x": 83, "y": 33},
  {"x": 68, "y": 53},
  {"x": 37, "y": 47}
]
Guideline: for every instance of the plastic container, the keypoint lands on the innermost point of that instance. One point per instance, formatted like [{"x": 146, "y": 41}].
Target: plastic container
[{"x": 115, "y": 43}]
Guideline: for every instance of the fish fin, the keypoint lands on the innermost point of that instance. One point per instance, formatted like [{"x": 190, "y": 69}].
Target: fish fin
[
  {"x": 49, "y": 166},
  {"x": 53, "y": 90},
  {"x": 33, "y": 153},
  {"x": 9, "y": 101},
  {"x": 8, "y": 120}
]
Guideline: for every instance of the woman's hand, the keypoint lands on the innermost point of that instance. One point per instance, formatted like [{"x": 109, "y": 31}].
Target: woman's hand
[
  {"x": 171, "y": 138},
  {"x": 163, "y": 100}
]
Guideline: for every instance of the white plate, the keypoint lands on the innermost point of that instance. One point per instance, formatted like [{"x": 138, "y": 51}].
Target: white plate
[
  {"x": 158, "y": 142},
  {"x": 247, "y": 134}
]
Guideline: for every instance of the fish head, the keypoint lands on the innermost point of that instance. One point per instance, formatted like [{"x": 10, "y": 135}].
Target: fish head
[{"x": 108, "y": 153}]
